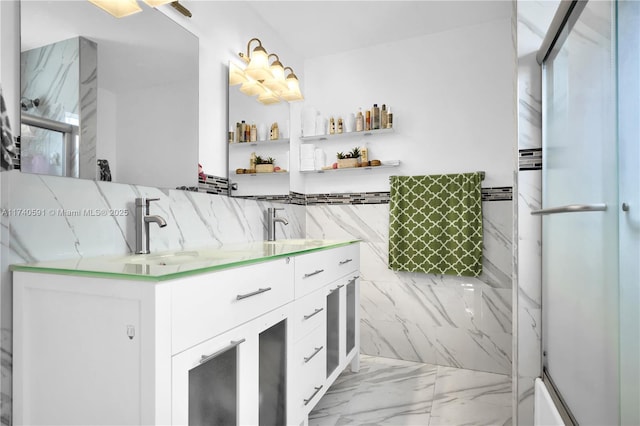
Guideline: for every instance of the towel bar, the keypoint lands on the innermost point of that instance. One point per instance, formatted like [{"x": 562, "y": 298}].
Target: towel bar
[{"x": 482, "y": 175}]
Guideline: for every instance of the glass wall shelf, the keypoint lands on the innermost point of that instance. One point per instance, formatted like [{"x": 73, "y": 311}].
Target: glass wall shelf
[
  {"x": 235, "y": 145},
  {"x": 347, "y": 135},
  {"x": 395, "y": 163}
]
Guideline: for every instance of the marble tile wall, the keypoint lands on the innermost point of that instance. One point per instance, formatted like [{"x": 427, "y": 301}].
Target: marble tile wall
[
  {"x": 63, "y": 76},
  {"x": 46, "y": 220},
  {"x": 533, "y": 19},
  {"x": 445, "y": 320}
]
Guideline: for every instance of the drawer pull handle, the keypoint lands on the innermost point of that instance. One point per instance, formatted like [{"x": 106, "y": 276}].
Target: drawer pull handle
[
  {"x": 317, "y": 389},
  {"x": 337, "y": 288},
  {"x": 232, "y": 345},
  {"x": 317, "y": 311},
  {"x": 253, "y": 293},
  {"x": 344, "y": 262},
  {"x": 316, "y": 352},
  {"x": 356, "y": 277},
  {"x": 313, "y": 273}
]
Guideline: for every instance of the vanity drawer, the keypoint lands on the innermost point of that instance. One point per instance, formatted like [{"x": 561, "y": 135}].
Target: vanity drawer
[
  {"x": 310, "y": 368},
  {"x": 205, "y": 306},
  {"x": 314, "y": 270},
  {"x": 309, "y": 313}
]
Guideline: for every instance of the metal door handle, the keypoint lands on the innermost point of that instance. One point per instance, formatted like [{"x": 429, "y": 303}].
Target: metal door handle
[
  {"x": 317, "y": 311},
  {"x": 232, "y": 345},
  {"x": 310, "y": 357},
  {"x": 337, "y": 288},
  {"x": 313, "y": 273},
  {"x": 317, "y": 388},
  {"x": 253, "y": 293},
  {"x": 571, "y": 208}
]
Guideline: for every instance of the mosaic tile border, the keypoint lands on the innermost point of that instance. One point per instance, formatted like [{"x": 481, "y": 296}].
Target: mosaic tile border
[
  {"x": 498, "y": 193},
  {"x": 213, "y": 185},
  {"x": 18, "y": 156},
  {"x": 503, "y": 193},
  {"x": 530, "y": 159}
]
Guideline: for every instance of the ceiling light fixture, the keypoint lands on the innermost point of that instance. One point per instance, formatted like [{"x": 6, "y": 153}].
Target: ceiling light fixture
[
  {"x": 122, "y": 8},
  {"x": 267, "y": 81}
]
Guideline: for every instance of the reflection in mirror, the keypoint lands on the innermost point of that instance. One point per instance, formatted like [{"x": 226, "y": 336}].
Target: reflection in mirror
[
  {"x": 106, "y": 98},
  {"x": 257, "y": 132}
]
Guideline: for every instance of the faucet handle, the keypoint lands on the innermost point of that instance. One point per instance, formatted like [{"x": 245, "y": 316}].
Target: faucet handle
[{"x": 144, "y": 201}]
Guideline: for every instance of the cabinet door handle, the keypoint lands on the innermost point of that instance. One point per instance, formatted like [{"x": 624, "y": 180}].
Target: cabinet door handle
[
  {"x": 232, "y": 345},
  {"x": 317, "y": 389},
  {"x": 253, "y": 293},
  {"x": 313, "y": 273},
  {"x": 317, "y": 311},
  {"x": 344, "y": 262},
  {"x": 315, "y": 352},
  {"x": 356, "y": 277},
  {"x": 337, "y": 288}
]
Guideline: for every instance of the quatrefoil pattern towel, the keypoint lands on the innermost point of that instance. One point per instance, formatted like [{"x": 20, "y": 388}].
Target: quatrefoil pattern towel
[{"x": 435, "y": 224}]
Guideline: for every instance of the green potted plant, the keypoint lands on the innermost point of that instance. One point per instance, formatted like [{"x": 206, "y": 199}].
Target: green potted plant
[
  {"x": 264, "y": 165},
  {"x": 350, "y": 159}
]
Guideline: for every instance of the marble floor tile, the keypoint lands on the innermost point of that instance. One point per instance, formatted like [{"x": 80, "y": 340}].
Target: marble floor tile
[{"x": 393, "y": 392}]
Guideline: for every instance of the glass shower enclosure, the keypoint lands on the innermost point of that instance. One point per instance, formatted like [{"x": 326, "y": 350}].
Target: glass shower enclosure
[
  {"x": 591, "y": 213},
  {"x": 49, "y": 147}
]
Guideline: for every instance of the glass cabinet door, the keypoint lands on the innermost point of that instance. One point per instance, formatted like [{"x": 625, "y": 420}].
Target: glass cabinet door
[
  {"x": 333, "y": 330},
  {"x": 272, "y": 385},
  {"x": 213, "y": 389},
  {"x": 351, "y": 316},
  {"x": 213, "y": 382}
]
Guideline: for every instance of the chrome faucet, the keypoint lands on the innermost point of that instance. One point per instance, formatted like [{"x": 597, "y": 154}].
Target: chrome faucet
[
  {"x": 271, "y": 222},
  {"x": 143, "y": 219}
]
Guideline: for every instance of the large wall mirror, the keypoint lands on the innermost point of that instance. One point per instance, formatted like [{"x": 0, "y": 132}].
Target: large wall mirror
[
  {"x": 261, "y": 131},
  {"x": 97, "y": 88}
]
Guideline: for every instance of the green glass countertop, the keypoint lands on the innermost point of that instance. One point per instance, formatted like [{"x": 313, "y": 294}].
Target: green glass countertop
[{"x": 162, "y": 266}]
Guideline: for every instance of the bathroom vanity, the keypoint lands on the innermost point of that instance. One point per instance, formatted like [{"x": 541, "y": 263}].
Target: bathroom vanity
[{"x": 244, "y": 334}]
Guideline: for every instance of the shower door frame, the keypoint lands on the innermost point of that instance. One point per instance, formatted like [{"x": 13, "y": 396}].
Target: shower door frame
[{"x": 69, "y": 139}]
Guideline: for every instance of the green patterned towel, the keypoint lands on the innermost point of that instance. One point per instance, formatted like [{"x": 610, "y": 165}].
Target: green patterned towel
[{"x": 435, "y": 224}]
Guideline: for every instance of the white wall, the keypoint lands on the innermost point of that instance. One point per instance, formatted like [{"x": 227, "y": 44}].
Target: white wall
[
  {"x": 143, "y": 148},
  {"x": 107, "y": 130},
  {"x": 451, "y": 94}
]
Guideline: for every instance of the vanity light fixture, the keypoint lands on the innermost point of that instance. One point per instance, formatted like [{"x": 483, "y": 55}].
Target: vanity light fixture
[
  {"x": 236, "y": 75},
  {"x": 118, "y": 8},
  {"x": 293, "y": 93},
  {"x": 267, "y": 81},
  {"x": 122, "y": 8},
  {"x": 156, "y": 3},
  {"x": 276, "y": 82},
  {"x": 258, "y": 67}
]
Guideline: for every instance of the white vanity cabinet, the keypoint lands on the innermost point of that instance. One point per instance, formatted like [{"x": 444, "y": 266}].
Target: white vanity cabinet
[
  {"x": 324, "y": 317},
  {"x": 242, "y": 345}
]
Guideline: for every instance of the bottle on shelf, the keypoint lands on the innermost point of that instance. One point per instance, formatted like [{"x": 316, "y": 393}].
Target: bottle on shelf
[
  {"x": 238, "y": 128},
  {"x": 359, "y": 121},
  {"x": 243, "y": 131},
  {"x": 389, "y": 119},
  {"x": 364, "y": 154},
  {"x": 375, "y": 117},
  {"x": 367, "y": 123},
  {"x": 340, "y": 125},
  {"x": 332, "y": 126},
  {"x": 275, "y": 132},
  {"x": 383, "y": 117}
]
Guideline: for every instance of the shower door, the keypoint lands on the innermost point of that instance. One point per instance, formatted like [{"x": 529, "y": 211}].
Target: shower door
[{"x": 580, "y": 216}]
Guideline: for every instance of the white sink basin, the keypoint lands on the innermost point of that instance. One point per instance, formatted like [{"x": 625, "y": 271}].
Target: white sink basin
[{"x": 177, "y": 258}]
